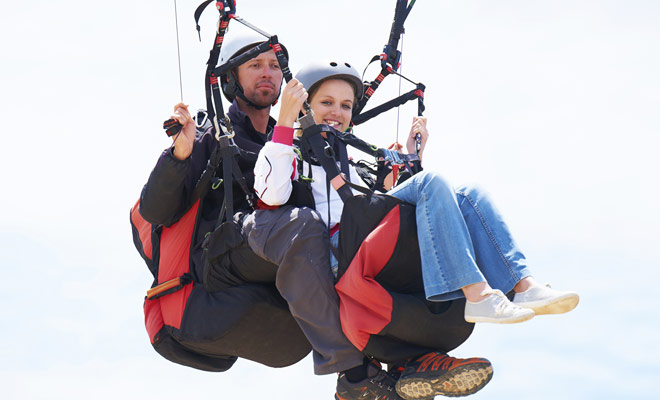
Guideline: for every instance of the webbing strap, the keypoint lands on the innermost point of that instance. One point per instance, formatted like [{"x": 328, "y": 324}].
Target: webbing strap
[
  {"x": 227, "y": 167},
  {"x": 390, "y": 53},
  {"x": 325, "y": 155},
  {"x": 390, "y": 58},
  {"x": 371, "y": 87},
  {"x": 417, "y": 93},
  {"x": 211, "y": 84},
  {"x": 231, "y": 172},
  {"x": 350, "y": 139}
]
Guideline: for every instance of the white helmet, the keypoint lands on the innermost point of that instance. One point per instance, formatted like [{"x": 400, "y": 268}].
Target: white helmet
[
  {"x": 313, "y": 74},
  {"x": 237, "y": 45}
]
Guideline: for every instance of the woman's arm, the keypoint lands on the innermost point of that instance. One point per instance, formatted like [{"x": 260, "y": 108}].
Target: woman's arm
[
  {"x": 275, "y": 168},
  {"x": 276, "y": 163}
]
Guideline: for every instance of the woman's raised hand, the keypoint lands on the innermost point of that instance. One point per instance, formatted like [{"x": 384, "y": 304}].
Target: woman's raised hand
[
  {"x": 418, "y": 128},
  {"x": 184, "y": 144},
  {"x": 293, "y": 97}
]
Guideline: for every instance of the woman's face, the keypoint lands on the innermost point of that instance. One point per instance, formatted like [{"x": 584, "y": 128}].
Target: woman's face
[{"x": 333, "y": 104}]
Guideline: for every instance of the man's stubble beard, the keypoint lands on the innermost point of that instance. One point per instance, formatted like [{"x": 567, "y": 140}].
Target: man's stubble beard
[{"x": 260, "y": 100}]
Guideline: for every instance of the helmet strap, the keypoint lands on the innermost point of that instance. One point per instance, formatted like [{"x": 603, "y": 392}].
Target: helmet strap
[{"x": 248, "y": 102}]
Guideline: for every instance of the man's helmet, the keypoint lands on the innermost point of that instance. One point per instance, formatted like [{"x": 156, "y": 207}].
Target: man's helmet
[
  {"x": 234, "y": 47},
  {"x": 313, "y": 74}
]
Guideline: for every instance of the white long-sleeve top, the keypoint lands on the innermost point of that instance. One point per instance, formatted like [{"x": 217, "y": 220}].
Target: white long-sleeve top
[{"x": 276, "y": 167}]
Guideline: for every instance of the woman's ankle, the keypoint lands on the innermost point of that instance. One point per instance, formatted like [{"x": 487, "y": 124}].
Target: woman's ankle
[
  {"x": 524, "y": 284},
  {"x": 473, "y": 291}
]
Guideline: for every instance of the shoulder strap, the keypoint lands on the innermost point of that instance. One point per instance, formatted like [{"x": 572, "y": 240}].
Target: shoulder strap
[{"x": 325, "y": 154}]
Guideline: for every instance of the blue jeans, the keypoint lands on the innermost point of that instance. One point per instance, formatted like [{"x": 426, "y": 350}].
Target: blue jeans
[
  {"x": 334, "y": 244},
  {"x": 462, "y": 238}
]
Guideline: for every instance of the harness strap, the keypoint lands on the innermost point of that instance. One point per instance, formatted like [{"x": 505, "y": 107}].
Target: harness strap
[
  {"x": 417, "y": 93},
  {"x": 227, "y": 166},
  {"x": 212, "y": 86},
  {"x": 324, "y": 153},
  {"x": 390, "y": 53},
  {"x": 323, "y": 150},
  {"x": 370, "y": 88},
  {"x": 231, "y": 172},
  {"x": 390, "y": 57},
  {"x": 350, "y": 139}
]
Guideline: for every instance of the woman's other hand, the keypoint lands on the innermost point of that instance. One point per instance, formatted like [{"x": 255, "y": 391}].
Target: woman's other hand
[{"x": 418, "y": 128}]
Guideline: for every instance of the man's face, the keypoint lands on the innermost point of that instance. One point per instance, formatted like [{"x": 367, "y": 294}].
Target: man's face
[{"x": 261, "y": 78}]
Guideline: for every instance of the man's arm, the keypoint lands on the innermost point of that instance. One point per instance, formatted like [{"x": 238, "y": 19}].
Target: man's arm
[
  {"x": 163, "y": 198},
  {"x": 167, "y": 194}
]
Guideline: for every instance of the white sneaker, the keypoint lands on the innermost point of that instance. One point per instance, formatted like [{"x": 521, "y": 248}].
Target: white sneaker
[
  {"x": 545, "y": 300},
  {"x": 496, "y": 308}
]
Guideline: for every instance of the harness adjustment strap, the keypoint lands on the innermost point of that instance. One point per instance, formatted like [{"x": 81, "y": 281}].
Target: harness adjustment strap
[
  {"x": 312, "y": 135},
  {"x": 168, "y": 287}
]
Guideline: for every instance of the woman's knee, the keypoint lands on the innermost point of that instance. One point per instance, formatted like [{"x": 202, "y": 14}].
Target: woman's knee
[
  {"x": 475, "y": 195},
  {"x": 435, "y": 182},
  {"x": 472, "y": 190}
]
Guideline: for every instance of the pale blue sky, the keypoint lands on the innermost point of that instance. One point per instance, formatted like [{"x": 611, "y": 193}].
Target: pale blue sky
[{"x": 552, "y": 106}]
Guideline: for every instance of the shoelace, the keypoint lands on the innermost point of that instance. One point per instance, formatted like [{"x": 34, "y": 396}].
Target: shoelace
[
  {"x": 381, "y": 379},
  {"x": 503, "y": 303}
]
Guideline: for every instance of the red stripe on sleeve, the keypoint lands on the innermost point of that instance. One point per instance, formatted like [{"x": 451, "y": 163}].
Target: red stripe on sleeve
[{"x": 283, "y": 135}]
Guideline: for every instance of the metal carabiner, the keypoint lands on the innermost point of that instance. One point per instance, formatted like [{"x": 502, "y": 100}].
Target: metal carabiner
[
  {"x": 224, "y": 130},
  {"x": 196, "y": 118}
]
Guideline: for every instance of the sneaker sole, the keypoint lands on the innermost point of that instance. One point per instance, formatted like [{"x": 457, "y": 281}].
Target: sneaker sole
[
  {"x": 462, "y": 381},
  {"x": 511, "y": 320},
  {"x": 559, "y": 305}
]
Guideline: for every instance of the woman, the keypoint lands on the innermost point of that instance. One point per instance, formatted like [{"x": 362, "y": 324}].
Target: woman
[{"x": 466, "y": 249}]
